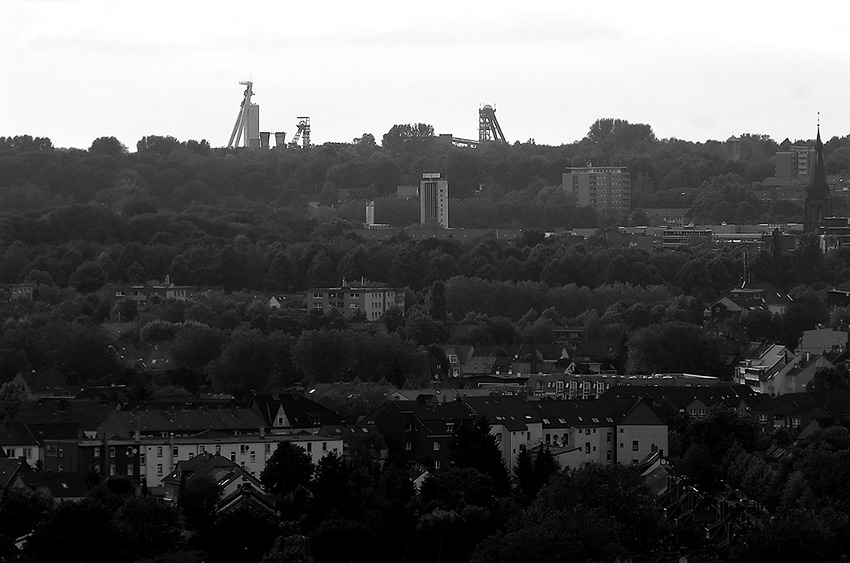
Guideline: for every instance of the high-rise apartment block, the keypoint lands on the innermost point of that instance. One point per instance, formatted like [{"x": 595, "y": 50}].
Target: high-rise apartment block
[
  {"x": 796, "y": 162},
  {"x": 434, "y": 200},
  {"x": 604, "y": 188}
]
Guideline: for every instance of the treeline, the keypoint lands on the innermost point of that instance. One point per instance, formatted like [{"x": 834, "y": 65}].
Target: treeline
[{"x": 493, "y": 186}]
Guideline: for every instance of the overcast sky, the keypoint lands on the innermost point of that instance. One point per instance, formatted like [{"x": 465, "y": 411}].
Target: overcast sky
[{"x": 76, "y": 70}]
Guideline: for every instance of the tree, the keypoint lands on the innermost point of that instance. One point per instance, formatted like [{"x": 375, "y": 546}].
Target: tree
[
  {"x": 676, "y": 347},
  {"x": 828, "y": 380},
  {"x": 88, "y": 277},
  {"x": 246, "y": 364},
  {"x": 21, "y": 510},
  {"x": 108, "y": 146},
  {"x": 473, "y": 446},
  {"x": 198, "y": 501},
  {"x": 288, "y": 468},
  {"x": 149, "y": 526},
  {"x": 11, "y": 398},
  {"x": 76, "y": 532}
]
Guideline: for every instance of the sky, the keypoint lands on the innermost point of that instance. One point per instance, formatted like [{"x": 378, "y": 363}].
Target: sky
[{"x": 77, "y": 70}]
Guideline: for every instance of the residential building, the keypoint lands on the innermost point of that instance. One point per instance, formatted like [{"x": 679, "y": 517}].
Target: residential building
[
  {"x": 796, "y": 374},
  {"x": 434, "y": 200},
  {"x": 694, "y": 401},
  {"x": 822, "y": 340},
  {"x": 604, "y": 431},
  {"x": 237, "y": 487},
  {"x": 18, "y": 442},
  {"x": 289, "y": 412},
  {"x": 371, "y": 301},
  {"x": 604, "y": 188},
  {"x": 748, "y": 297},
  {"x": 513, "y": 421},
  {"x": 670, "y": 216},
  {"x": 420, "y": 431},
  {"x": 796, "y": 162},
  {"x": 12, "y": 473},
  {"x": 760, "y": 362},
  {"x": 44, "y": 386}
]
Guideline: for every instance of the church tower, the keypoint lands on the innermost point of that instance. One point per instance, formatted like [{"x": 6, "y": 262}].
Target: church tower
[{"x": 817, "y": 205}]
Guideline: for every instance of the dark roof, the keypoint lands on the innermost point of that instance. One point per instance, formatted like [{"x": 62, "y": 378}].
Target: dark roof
[
  {"x": 583, "y": 413},
  {"x": 88, "y": 414},
  {"x": 818, "y": 187},
  {"x": 9, "y": 468},
  {"x": 511, "y": 411},
  {"x": 300, "y": 411},
  {"x": 59, "y": 485},
  {"x": 16, "y": 434},
  {"x": 195, "y": 420},
  {"x": 44, "y": 383},
  {"x": 727, "y": 395}
]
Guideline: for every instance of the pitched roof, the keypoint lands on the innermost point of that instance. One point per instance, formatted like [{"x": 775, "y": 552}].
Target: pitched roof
[
  {"x": 88, "y": 414},
  {"x": 818, "y": 187},
  {"x": 58, "y": 485},
  {"x": 515, "y": 413},
  {"x": 9, "y": 468},
  {"x": 300, "y": 411},
  {"x": 42, "y": 383},
  {"x": 195, "y": 420},
  {"x": 726, "y": 395},
  {"x": 16, "y": 434}
]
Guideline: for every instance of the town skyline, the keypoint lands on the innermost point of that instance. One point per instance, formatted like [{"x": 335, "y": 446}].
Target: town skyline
[{"x": 550, "y": 71}]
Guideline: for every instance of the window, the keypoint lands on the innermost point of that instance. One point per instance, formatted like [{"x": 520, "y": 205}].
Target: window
[
  {"x": 159, "y": 451},
  {"x": 60, "y": 452},
  {"x": 608, "y": 455},
  {"x": 795, "y": 422},
  {"x": 408, "y": 427},
  {"x": 309, "y": 446},
  {"x": 97, "y": 453},
  {"x": 280, "y": 420},
  {"x": 268, "y": 448},
  {"x": 408, "y": 446},
  {"x": 203, "y": 449},
  {"x": 129, "y": 470},
  {"x": 635, "y": 445},
  {"x": 621, "y": 430},
  {"x": 324, "y": 446},
  {"x": 232, "y": 456},
  {"x": 112, "y": 469},
  {"x": 10, "y": 453},
  {"x": 762, "y": 419},
  {"x": 436, "y": 465},
  {"x": 112, "y": 452},
  {"x": 159, "y": 470},
  {"x": 528, "y": 436},
  {"x": 175, "y": 451},
  {"x": 587, "y": 447},
  {"x": 28, "y": 452},
  {"x": 452, "y": 358},
  {"x": 253, "y": 456},
  {"x": 608, "y": 437},
  {"x": 450, "y": 427},
  {"x": 436, "y": 446},
  {"x": 218, "y": 450}
]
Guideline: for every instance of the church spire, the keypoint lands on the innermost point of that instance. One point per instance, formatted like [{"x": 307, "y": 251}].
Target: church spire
[{"x": 818, "y": 186}]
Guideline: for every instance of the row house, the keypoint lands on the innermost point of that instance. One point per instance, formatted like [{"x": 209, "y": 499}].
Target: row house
[
  {"x": 420, "y": 431},
  {"x": 513, "y": 421},
  {"x": 603, "y": 431},
  {"x": 797, "y": 411},
  {"x": 622, "y": 431},
  {"x": 694, "y": 401},
  {"x": 593, "y": 386}
]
